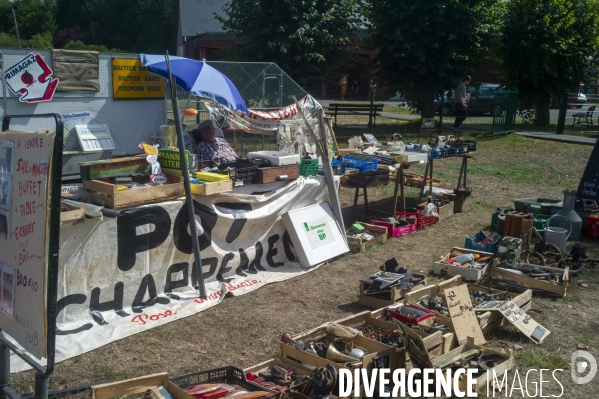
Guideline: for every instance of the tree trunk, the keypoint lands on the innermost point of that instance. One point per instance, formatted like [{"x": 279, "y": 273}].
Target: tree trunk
[
  {"x": 427, "y": 106},
  {"x": 543, "y": 116}
]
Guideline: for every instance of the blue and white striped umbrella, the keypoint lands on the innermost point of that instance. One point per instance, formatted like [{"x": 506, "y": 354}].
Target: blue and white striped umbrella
[{"x": 199, "y": 78}]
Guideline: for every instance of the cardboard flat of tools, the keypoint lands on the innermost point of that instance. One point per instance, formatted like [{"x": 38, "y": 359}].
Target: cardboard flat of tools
[
  {"x": 518, "y": 318},
  {"x": 463, "y": 318}
]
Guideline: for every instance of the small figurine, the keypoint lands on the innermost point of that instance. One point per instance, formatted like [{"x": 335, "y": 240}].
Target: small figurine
[{"x": 156, "y": 175}]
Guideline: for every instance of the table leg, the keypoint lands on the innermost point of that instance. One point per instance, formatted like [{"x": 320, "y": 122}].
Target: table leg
[
  {"x": 398, "y": 176},
  {"x": 430, "y": 188},
  {"x": 403, "y": 197},
  {"x": 366, "y": 196},
  {"x": 424, "y": 179}
]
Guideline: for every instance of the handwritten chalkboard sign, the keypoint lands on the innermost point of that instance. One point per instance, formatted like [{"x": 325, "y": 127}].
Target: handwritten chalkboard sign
[{"x": 589, "y": 184}]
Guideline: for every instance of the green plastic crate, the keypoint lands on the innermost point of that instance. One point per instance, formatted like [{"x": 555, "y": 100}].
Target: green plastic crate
[{"x": 308, "y": 167}]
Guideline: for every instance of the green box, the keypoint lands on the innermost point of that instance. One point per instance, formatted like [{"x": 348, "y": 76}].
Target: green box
[{"x": 169, "y": 158}]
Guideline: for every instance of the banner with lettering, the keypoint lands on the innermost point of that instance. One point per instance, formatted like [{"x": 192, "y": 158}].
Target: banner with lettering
[
  {"x": 25, "y": 160},
  {"x": 131, "y": 80},
  {"x": 262, "y": 122},
  {"x": 124, "y": 275}
]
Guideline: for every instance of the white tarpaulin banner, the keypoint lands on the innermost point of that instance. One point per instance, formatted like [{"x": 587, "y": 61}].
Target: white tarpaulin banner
[
  {"x": 262, "y": 122},
  {"x": 124, "y": 275}
]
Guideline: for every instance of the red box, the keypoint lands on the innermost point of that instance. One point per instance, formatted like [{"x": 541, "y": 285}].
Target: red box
[
  {"x": 592, "y": 227},
  {"x": 421, "y": 220},
  {"x": 397, "y": 231}
]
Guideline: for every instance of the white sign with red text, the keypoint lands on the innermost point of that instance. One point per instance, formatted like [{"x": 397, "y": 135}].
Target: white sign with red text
[
  {"x": 31, "y": 79},
  {"x": 24, "y": 239}
]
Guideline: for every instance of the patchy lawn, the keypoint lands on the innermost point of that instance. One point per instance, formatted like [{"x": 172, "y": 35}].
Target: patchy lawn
[{"x": 244, "y": 330}]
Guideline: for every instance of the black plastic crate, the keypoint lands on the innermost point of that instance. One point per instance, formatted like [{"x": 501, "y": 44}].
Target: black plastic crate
[
  {"x": 224, "y": 375},
  {"x": 242, "y": 171}
]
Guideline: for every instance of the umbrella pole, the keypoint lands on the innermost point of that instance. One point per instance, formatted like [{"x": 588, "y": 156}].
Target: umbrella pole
[{"x": 193, "y": 228}]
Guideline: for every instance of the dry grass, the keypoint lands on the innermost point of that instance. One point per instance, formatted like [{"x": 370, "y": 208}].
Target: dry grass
[{"x": 244, "y": 330}]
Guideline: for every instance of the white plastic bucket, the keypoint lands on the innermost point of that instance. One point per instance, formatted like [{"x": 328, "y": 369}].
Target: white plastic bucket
[{"x": 557, "y": 236}]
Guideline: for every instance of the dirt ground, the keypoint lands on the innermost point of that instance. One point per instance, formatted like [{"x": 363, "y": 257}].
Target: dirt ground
[{"x": 244, "y": 330}]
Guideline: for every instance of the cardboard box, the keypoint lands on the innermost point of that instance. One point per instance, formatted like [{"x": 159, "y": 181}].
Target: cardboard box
[
  {"x": 72, "y": 216},
  {"x": 396, "y": 295},
  {"x": 357, "y": 245},
  {"x": 467, "y": 273},
  {"x": 445, "y": 211},
  {"x": 549, "y": 286},
  {"x": 108, "y": 195},
  {"x": 137, "y": 386},
  {"x": 307, "y": 361}
]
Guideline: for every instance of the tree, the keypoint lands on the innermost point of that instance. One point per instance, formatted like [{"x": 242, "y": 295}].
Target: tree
[
  {"x": 34, "y": 17},
  {"x": 132, "y": 25},
  {"x": 427, "y": 46},
  {"x": 547, "y": 46},
  {"x": 307, "y": 39}
]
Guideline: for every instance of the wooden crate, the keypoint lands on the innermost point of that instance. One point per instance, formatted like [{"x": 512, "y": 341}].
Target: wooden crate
[
  {"x": 467, "y": 273},
  {"x": 547, "y": 285},
  {"x": 207, "y": 188},
  {"x": 275, "y": 173},
  {"x": 396, "y": 294},
  {"x": 366, "y": 318},
  {"x": 106, "y": 194},
  {"x": 307, "y": 361},
  {"x": 481, "y": 380},
  {"x": 415, "y": 180},
  {"x": 137, "y": 386},
  {"x": 357, "y": 245}
]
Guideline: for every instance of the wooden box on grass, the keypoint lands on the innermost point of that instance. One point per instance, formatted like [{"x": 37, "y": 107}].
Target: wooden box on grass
[
  {"x": 416, "y": 180},
  {"x": 445, "y": 211},
  {"x": 107, "y": 194},
  {"x": 366, "y": 318},
  {"x": 454, "y": 269},
  {"x": 357, "y": 245},
  {"x": 489, "y": 320},
  {"x": 550, "y": 286},
  {"x": 138, "y": 386},
  {"x": 206, "y": 188},
  {"x": 396, "y": 294},
  {"x": 481, "y": 381},
  {"x": 308, "y": 361}
]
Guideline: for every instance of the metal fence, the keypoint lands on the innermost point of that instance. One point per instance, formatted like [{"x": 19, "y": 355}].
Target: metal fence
[{"x": 262, "y": 85}]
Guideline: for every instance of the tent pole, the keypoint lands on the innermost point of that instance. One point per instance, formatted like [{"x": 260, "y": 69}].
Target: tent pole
[{"x": 193, "y": 228}]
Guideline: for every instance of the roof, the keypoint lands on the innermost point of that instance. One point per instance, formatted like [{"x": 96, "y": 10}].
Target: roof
[{"x": 197, "y": 17}]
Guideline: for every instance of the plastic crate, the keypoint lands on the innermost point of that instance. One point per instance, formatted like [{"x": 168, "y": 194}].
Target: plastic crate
[
  {"x": 361, "y": 164},
  {"x": 225, "y": 375},
  {"x": 593, "y": 227},
  {"x": 338, "y": 167},
  {"x": 540, "y": 222},
  {"x": 421, "y": 220},
  {"x": 308, "y": 167},
  {"x": 488, "y": 247},
  {"x": 544, "y": 206},
  {"x": 242, "y": 171}
]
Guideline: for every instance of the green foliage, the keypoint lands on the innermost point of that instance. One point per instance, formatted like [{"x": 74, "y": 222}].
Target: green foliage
[
  {"x": 37, "y": 41},
  {"x": 427, "y": 46},
  {"x": 307, "y": 39},
  {"x": 548, "y": 45},
  {"x": 132, "y": 25},
  {"x": 34, "y": 18},
  {"x": 78, "y": 45}
]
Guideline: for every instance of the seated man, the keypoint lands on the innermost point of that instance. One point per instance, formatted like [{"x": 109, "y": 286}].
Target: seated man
[{"x": 211, "y": 148}]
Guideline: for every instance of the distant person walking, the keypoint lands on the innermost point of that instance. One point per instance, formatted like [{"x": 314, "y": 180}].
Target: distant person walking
[
  {"x": 354, "y": 90},
  {"x": 343, "y": 84},
  {"x": 461, "y": 103}
]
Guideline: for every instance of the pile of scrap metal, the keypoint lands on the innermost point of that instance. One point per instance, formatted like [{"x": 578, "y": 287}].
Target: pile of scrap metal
[{"x": 391, "y": 276}]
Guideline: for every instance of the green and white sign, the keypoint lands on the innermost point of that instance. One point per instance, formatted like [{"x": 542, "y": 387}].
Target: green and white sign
[
  {"x": 315, "y": 234},
  {"x": 318, "y": 232}
]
